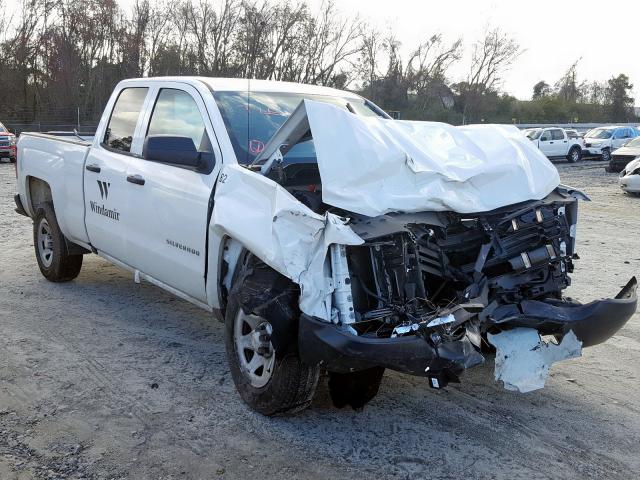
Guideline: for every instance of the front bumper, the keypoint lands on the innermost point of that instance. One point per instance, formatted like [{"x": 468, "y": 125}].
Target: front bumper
[
  {"x": 630, "y": 183},
  {"x": 7, "y": 152},
  {"x": 326, "y": 344},
  {"x": 592, "y": 151}
]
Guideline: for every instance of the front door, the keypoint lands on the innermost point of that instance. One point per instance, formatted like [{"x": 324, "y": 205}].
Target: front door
[{"x": 167, "y": 222}]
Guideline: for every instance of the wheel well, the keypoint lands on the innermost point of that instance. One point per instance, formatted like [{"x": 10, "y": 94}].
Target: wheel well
[{"x": 39, "y": 192}]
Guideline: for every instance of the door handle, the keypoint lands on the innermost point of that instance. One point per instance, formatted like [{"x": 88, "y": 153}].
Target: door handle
[
  {"x": 550, "y": 143},
  {"x": 137, "y": 179},
  {"x": 93, "y": 168}
]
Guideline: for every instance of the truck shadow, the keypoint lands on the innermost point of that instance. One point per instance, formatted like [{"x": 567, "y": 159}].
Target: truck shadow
[{"x": 474, "y": 429}]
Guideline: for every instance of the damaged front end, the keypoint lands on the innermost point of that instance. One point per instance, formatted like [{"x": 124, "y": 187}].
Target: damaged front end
[
  {"x": 396, "y": 269},
  {"x": 430, "y": 292}
]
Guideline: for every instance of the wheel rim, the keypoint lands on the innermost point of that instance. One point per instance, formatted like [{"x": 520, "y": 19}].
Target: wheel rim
[
  {"x": 605, "y": 155},
  {"x": 45, "y": 243},
  {"x": 575, "y": 155},
  {"x": 252, "y": 337}
]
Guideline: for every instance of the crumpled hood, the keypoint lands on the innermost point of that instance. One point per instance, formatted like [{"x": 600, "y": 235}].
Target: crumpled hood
[{"x": 374, "y": 166}]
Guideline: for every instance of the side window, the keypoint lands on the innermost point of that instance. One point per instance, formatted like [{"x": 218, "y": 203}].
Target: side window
[
  {"x": 557, "y": 135},
  {"x": 546, "y": 136},
  {"x": 176, "y": 113},
  {"x": 124, "y": 117}
]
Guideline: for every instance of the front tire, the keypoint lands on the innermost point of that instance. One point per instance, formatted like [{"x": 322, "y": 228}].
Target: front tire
[
  {"x": 606, "y": 155},
  {"x": 54, "y": 260},
  {"x": 261, "y": 303},
  {"x": 575, "y": 154}
]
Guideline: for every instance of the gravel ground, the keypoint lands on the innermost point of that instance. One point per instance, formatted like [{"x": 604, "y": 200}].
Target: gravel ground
[{"x": 103, "y": 378}]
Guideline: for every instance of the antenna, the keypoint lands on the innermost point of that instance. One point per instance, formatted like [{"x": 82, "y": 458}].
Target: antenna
[{"x": 248, "y": 116}]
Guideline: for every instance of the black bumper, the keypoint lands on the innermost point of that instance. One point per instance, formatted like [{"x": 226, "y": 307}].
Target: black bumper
[
  {"x": 19, "y": 207},
  {"x": 593, "y": 323},
  {"x": 340, "y": 351}
]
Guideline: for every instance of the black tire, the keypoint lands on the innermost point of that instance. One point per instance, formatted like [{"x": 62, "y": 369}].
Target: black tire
[
  {"x": 575, "y": 155},
  {"x": 606, "y": 155},
  {"x": 355, "y": 389},
  {"x": 261, "y": 292},
  {"x": 54, "y": 260}
]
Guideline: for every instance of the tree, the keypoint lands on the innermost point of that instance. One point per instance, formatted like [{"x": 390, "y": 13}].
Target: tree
[
  {"x": 619, "y": 102},
  {"x": 492, "y": 56},
  {"x": 541, "y": 90}
]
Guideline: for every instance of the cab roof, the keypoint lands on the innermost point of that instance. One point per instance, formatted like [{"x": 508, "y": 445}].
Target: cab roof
[{"x": 242, "y": 84}]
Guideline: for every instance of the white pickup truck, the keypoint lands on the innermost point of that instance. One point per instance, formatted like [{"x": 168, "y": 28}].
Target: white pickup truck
[
  {"x": 324, "y": 234},
  {"x": 556, "y": 143}
]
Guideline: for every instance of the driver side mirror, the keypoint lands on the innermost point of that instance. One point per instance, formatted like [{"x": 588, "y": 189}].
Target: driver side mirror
[
  {"x": 175, "y": 150},
  {"x": 544, "y": 139}
]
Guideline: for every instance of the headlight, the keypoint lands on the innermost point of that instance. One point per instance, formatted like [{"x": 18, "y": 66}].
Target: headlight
[{"x": 12, "y": 141}]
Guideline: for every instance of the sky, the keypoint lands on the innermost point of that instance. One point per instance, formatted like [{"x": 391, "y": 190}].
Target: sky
[{"x": 553, "y": 34}]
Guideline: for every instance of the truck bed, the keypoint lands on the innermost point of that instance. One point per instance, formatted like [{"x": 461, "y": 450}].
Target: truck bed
[{"x": 58, "y": 161}]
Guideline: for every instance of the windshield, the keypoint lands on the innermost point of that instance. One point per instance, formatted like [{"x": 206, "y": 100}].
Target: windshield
[
  {"x": 600, "y": 133},
  {"x": 252, "y": 120},
  {"x": 533, "y": 134}
]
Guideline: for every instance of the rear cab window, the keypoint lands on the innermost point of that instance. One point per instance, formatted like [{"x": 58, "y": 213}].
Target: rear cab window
[{"x": 124, "y": 118}]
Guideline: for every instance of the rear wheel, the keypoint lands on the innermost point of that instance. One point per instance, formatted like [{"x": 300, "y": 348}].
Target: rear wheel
[
  {"x": 261, "y": 341},
  {"x": 606, "y": 155},
  {"x": 575, "y": 154},
  {"x": 54, "y": 261}
]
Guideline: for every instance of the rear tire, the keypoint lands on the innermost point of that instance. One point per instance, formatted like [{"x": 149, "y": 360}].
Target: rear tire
[
  {"x": 269, "y": 381},
  {"x": 54, "y": 260},
  {"x": 575, "y": 155}
]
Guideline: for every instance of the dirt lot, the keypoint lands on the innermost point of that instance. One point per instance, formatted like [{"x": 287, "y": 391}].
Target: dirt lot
[{"x": 103, "y": 378}]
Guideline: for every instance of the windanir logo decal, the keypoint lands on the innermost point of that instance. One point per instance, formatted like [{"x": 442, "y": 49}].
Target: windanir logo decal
[
  {"x": 104, "y": 189},
  {"x": 102, "y": 209}
]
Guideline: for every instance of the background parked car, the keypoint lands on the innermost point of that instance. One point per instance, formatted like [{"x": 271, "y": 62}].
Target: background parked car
[
  {"x": 630, "y": 177},
  {"x": 604, "y": 140},
  {"x": 623, "y": 155},
  {"x": 556, "y": 143},
  {"x": 7, "y": 144}
]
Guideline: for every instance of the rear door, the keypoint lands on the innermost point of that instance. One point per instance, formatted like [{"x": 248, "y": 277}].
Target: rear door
[
  {"x": 167, "y": 225},
  {"x": 105, "y": 189},
  {"x": 559, "y": 142}
]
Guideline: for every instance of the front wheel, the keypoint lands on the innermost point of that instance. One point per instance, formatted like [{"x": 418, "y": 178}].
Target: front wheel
[
  {"x": 54, "y": 260},
  {"x": 606, "y": 155},
  {"x": 261, "y": 315},
  {"x": 575, "y": 154}
]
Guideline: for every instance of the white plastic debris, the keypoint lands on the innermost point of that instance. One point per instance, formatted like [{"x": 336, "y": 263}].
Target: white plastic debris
[
  {"x": 523, "y": 358},
  {"x": 282, "y": 232},
  {"x": 374, "y": 166}
]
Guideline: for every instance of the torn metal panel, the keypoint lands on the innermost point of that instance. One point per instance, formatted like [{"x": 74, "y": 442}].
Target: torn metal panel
[
  {"x": 374, "y": 166},
  {"x": 523, "y": 359},
  {"x": 282, "y": 232}
]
